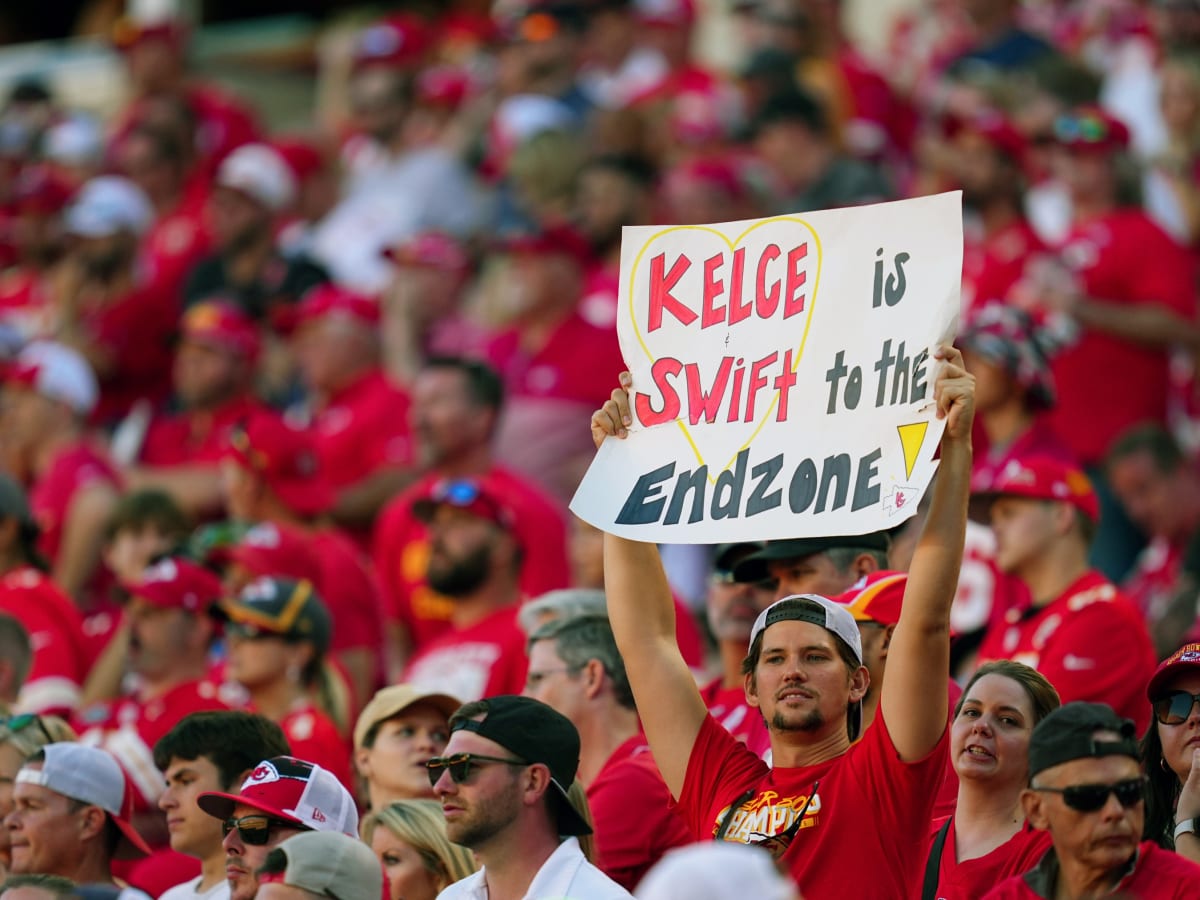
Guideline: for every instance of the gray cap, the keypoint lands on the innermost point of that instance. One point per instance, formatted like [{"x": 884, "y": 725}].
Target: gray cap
[{"x": 330, "y": 864}]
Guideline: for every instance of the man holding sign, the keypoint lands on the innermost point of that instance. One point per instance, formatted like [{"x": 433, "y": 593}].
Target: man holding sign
[{"x": 848, "y": 816}]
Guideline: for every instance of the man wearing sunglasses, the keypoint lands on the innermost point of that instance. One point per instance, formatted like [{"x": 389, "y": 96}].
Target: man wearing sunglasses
[
  {"x": 1087, "y": 790},
  {"x": 503, "y": 785},
  {"x": 283, "y": 796}
]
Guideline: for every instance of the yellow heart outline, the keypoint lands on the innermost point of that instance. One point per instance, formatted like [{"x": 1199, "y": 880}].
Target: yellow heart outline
[{"x": 732, "y": 245}]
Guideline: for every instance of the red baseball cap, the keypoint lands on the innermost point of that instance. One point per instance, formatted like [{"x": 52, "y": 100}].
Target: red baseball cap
[
  {"x": 39, "y": 189},
  {"x": 400, "y": 41},
  {"x": 431, "y": 248},
  {"x": 293, "y": 790},
  {"x": 1091, "y": 129},
  {"x": 128, "y": 32},
  {"x": 469, "y": 494},
  {"x": 994, "y": 128},
  {"x": 1184, "y": 659},
  {"x": 559, "y": 239},
  {"x": 444, "y": 86},
  {"x": 666, "y": 13},
  {"x": 1042, "y": 478},
  {"x": 303, "y": 157},
  {"x": 330, "y": 300},
  {"x": 876, "y": 597},
  {"x": 283, "y": 456},
  {"x": 271, "y": 549},
  {"x": 218, "y": 323},
  {"x": 177, "y": 583}
]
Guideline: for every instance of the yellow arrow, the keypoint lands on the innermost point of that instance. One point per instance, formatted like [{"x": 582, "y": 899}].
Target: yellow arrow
[{"x": 911, "y": 438}]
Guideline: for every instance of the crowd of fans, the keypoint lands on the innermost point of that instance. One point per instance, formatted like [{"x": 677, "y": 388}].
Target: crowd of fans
[{"x": 290, "y": 601}]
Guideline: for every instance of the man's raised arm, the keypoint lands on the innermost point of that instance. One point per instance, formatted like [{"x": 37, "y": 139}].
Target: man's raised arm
[
  {"x": 643, "y": 621},
  {"x": 913, "y": 699}
]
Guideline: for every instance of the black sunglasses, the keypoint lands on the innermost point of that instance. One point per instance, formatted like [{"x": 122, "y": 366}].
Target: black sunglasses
[
  {"x": 459, "y": 765},
  {"x": 255, "y": 830},
  {"x": 1175, "y": 708},
  {"x": 1091, "y": 797}
]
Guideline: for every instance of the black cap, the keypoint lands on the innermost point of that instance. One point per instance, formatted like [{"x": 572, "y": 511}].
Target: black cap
[
  {"x": 726, "y": 556},
  {"x": 534, "y": 732},
  {"x": 1069, "y": 733},
  {"x": 753, "y": 568},
  {"x": 283, "y": 606}
]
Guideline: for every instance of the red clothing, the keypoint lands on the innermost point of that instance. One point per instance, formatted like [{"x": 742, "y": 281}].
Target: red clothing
[
  {"x": 866, "y": 826},
  {"x": 1157, "y": 874},
  {"x": 363, "y": 428},
  {"x": 1039, "y": 440},
  {"x": 401, "y": 551},
  {"x": 1155, "y": 578},
  {"x": 632, "y": 815},
  {"x": 349, "y": 591},
  {"x": 61, "y": 655},
  {"x": 947, "y": 795},
  {"x": 729, "y": 708},
  {"x": 135, "y": 331},
  {"x": 313, "y": 737},
  {"x": 482, "y": 660},
  {"x": 174, "y": 243},
  {"x": 993, "y": 264},
  {"x": 972, "y": 878},
  {"x": 196, "y": 437},
  {"x": 1121, "y": 258},
  {"x": 130, "y": 727},
  {"x": 75, "y": 467},
  {"x": 1090, "y": 643}
]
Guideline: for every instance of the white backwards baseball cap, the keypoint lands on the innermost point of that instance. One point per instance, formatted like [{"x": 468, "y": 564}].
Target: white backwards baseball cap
[
  {"x": 108, "y": 204},
  {"x": 261, "y": 173},
  {"x": 59, "y": 372}
]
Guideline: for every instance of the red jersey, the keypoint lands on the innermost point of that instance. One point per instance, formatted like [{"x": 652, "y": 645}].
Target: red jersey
[
  {"x": 632, "y": 814},
  {"x": 1157, "y": 874},
  {"x": 363, "y": 428},
  {"x": 197, "y": 436},
  {"x": 313, "y": 737},
  {"x": 174, "y": 243},
  {"x": 1121, "y": 258},
  {"x": 866, "y": 813},
  {"x": 1090, "y": 643},
  {"x": 74, "y": 468},
  {"x": 993, "y": 264},
  {"x": 61, "y": 654},
  {"x": 481, "y": 660},
  {"x": 1155, "y": 578},
  {"x": 401, "y": 551},
  {"x": 972, "y": 878},
  {"x": 1038, "y": 440},
  {"x": 130, "y": 727},
  {"x": 729, "y": 708},
  {"x": 349, "y": 591}
]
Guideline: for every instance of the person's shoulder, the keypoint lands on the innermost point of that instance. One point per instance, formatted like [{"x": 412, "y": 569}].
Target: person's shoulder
[
  {"x": 1167, "y": 864},
  {"x": 1013, "y": 888},
  {"x": 471, "y": 886},
  {"x": 593, "y": 884}
]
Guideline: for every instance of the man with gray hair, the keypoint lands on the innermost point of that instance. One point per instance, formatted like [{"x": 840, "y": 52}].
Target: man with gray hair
[
  {"x": 576, "y": 669},
  {"x": 568, "y": 603}
]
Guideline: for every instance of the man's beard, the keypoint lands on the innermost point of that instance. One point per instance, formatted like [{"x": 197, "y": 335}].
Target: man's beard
[
  {"x": 461, "y": 577},
  {"x": 812, "y": 720}
]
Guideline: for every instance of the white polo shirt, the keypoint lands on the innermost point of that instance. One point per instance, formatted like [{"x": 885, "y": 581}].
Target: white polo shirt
[{"x": 567, "y": 873}]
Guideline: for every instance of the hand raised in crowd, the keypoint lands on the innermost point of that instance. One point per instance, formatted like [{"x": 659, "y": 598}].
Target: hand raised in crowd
[
  {"x": 614, "y": 417},
  {"x": 954, "y": 393}
]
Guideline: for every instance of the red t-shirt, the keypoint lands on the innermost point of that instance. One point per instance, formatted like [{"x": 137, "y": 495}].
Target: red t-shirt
[
  {"x": 363, "y": 428},
  {"x": 632, "y": 814},
  {"x": 729, "y": 708},
  {"x": 993, "y": 264},
  {"x": 1106, "y": 383},
  {"x": 972, "y": 878},
  {"x": 130, "y": 727},
  {"x": 1155, "y": 578},
  {"x": 482, "y": 660},
  {"x": 313, "y": 737},
  {"x": 401, "y": 551},
  {"x": 1158, "y": 874},
  {"x": 349, "y": 591},
  {"x": 61, "y": 655},
  {"x": 1090, "y": 643},
  {"x": 866, "y": 827},
  {"x": 197, "y": 437},
  {"x": 75, "y": 467},
  {"x": 174, "y": 243}
]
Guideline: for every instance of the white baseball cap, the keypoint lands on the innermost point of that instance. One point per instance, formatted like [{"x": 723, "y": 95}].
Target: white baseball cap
[
  {"x": 813, "y": 608},
  {"x": 93, "y": 776},
  {"x": 59, "y": 372},
  {"x": 261, "y": 173},
  {"x": 108, "y": 204}
]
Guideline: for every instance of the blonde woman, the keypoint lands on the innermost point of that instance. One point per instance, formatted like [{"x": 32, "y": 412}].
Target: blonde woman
[{"x": 409, "y": 838}]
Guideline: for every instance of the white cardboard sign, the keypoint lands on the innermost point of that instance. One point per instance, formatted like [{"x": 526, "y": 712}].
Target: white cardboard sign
[{"x": 782, "y": 374}]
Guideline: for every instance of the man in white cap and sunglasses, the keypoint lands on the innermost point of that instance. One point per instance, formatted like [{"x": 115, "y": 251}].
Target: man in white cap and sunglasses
[
  {"x": 282, "y": 797},
  {"x": 70, "y": 816},
  {"x": 846, "y": 810}
]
